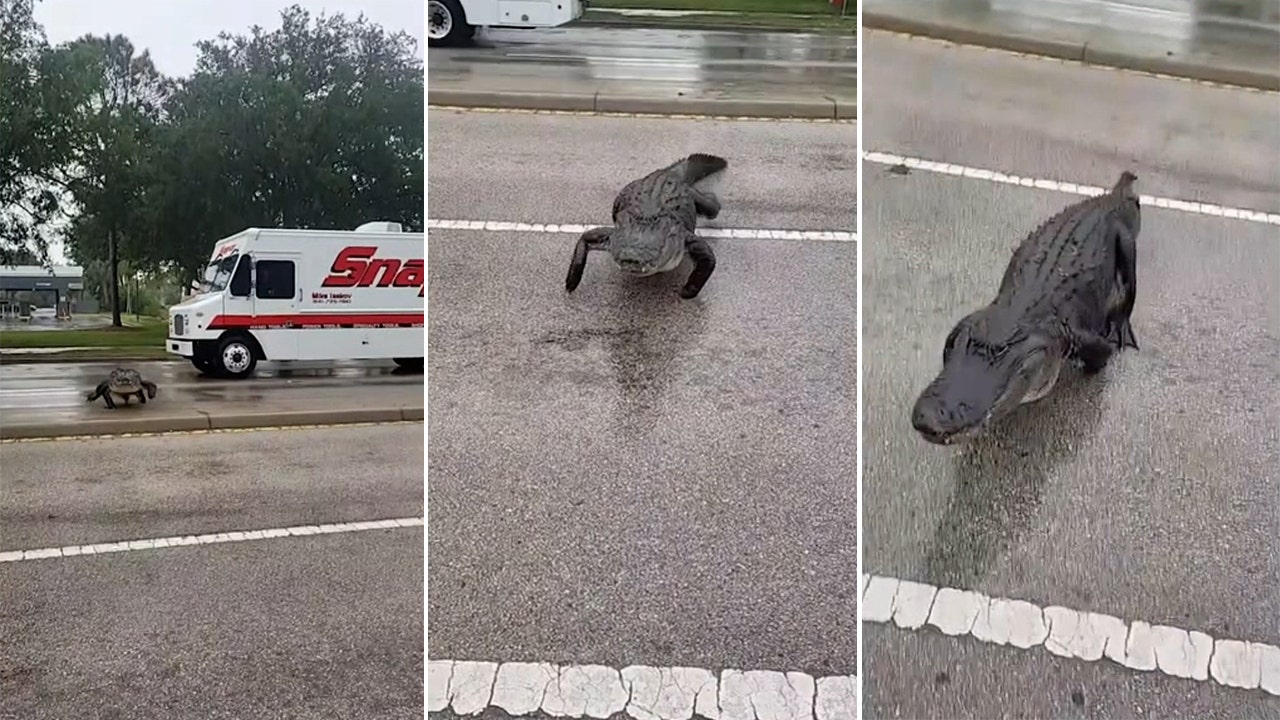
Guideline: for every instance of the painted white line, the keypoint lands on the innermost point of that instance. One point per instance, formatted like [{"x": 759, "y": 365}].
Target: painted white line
[
  {"x": 208, "y": 539},
  {"x": 1086, "y": 636},
  {"x": 574, "y": 229},
  {"x": 942, "y": 168},
  {"x": 640, "y": 691}
]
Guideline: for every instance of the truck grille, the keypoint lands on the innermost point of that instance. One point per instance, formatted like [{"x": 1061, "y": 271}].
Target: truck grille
[{"x": 177, "y": 325}]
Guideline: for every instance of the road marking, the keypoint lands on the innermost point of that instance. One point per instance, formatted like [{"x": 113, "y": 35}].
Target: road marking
[
  {"x": 641, "y": 691},
  {"x": 646, "y": 116},
  {"x": 1067, "y": 187},
  {"x": 1071, "y": 633},
  {"x": 568, "y": 229},
  {"x": 208, "y": 539},
  {"x": 214, "y": 431}
]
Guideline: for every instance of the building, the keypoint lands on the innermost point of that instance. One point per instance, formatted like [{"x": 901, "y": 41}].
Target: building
[{"x": 25, "y": 289}]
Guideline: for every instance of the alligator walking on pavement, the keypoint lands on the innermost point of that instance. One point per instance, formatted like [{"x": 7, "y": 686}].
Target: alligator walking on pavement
[
  {"x": 1066, "y": 295},
  {"x": 654, "y": 219},
  {"x": 123, "y": 383}
]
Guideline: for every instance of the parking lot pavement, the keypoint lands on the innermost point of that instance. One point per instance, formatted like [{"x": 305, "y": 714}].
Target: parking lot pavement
[
  {"x": 1149, "y": 493},
  {"x": 213, "y": 610},
  {"x": 618, "y": 476}
]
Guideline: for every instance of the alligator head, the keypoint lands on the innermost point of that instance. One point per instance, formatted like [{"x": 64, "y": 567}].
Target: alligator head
[
  {"x": 646, "y": 251},
  {"x": 989, "y": 367},
  {"x": 124, "y": 381}
]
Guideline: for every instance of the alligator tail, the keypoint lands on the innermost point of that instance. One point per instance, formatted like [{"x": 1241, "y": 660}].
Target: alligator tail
[
  {"x": 1124, "y": 186},
  {"x": 698, "y": 166}
]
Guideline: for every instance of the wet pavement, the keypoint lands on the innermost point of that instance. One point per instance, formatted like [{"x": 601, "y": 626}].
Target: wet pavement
[
  {"x": 618, "y": 476},
  {"x": 320, "y": 626},
  {"x": 50, "y": 393},
  {"x": 1242, "y": 34},
  {"x": 1149, "y": 493},
  {"x": 651, "y": 63}
]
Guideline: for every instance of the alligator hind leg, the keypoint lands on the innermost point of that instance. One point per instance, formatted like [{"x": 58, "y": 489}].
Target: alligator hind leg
[
  {"x": 706, "y": 203},
  {"x": 1120, "y": 332},
  {"x": 704, "y": 263},
  {"x": 593, "y": 239}
]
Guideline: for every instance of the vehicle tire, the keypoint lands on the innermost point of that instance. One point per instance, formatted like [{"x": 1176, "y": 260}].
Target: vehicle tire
[
  {"x": 236, "y": 357},
  {"x": 205, "y": 366},
  {"x": 446, "y": 23},
  {"x": 408, "y": 363}
]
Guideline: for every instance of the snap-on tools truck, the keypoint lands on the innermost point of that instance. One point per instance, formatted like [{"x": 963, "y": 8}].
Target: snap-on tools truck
[{"x": 280, "y": 294}]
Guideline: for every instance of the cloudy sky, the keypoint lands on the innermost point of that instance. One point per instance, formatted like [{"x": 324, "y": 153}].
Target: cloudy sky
[{"x": 171, "y": 29}]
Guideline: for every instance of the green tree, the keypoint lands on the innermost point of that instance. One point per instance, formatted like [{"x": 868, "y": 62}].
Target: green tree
[
  {"x": 43, "y": 94},
  {"x": 112, "y": 188}
]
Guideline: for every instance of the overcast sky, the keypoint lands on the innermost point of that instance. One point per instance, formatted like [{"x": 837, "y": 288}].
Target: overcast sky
[{"x": 171, "y": 29}]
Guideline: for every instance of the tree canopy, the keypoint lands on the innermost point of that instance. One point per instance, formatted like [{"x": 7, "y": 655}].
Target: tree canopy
[{"x": 316, "y": 124}]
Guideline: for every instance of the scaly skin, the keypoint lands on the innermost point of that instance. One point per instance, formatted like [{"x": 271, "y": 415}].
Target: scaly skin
[
  {"x": 1066, "y": 295},
  {"x": 123, "y": 383},
  {"x": 654, "y": 219}
]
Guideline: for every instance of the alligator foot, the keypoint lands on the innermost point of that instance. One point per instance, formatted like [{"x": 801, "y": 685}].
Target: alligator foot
[
  {"x": 704, "y": 263},
  {"x": 593, "y": 239},
  {"x": 1121, "y": 335},
  {"x": 1093, "y": 351}
]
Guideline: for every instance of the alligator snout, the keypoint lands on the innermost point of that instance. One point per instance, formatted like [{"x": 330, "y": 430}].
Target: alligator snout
[{"x": 944, "y": 422}]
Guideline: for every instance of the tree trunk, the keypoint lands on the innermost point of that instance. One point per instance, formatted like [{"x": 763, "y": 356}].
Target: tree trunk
[{"x": 114, "y": 262}]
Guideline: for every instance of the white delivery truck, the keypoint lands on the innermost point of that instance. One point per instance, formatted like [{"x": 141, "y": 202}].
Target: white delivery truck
[
  {"x": 279, "y": 294},
  {"x": 451, "y": 20}
]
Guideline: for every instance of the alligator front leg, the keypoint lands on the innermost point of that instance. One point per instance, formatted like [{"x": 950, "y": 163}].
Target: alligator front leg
[
  {"x": 704, "y": 263},
  {"x": 1120, "y": 332},
  {"x": 706, "y": 203},
  {"x": 1091, "y": 349},
  {"x": 593, "y": 239}
]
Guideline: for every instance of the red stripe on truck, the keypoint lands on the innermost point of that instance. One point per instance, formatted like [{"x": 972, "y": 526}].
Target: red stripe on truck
[{"x": 314, "y": 320}]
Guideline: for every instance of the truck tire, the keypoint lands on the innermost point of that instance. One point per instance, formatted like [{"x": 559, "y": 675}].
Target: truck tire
[
  {"x": 205, "y": 365},
  {"x": 236, "y": 357},
  {"x": 408, "y": 363},
  {"x": 447, "y": 23}
]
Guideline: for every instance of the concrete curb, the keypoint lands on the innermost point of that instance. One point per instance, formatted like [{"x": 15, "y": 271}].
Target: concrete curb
[
  {"x": 820, "y": 108},
  {"x": 1077, "y": 51},
  {"x": 38, "y": 358},
  {"x": 713, "y": 25},
  {"x": 192, "y": 420}
]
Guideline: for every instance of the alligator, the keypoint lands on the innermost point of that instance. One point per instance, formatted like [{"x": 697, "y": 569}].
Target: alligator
[
  {"x": 123, "y": 383},
  {"x": 654, "y": 219},
  {"x": 1066, "y": 296}
]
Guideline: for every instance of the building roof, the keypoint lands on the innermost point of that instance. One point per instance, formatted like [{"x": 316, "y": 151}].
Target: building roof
[{"x": 35, "y": 271}]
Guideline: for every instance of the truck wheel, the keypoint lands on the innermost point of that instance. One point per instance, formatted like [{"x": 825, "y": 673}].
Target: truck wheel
[
  {"x": 205, "y": 365},
  {"x": 408, "y": 363},
  {"x": 446, "y": 23},
  {"x": 235, "y": 357}
]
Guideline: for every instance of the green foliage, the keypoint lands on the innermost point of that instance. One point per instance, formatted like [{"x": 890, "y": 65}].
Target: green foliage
[
  {"x": 318, "y": 124},
  {"x": 42, "y": 115}
]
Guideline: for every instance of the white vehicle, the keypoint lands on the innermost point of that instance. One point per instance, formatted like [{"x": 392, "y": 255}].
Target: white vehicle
[
  {"x": 452, "y": 20},
  {"x": 305, "y": 295}
]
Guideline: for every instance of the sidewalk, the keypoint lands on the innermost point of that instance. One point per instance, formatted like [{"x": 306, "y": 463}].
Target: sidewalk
[{"x": 1162, "y": 36}]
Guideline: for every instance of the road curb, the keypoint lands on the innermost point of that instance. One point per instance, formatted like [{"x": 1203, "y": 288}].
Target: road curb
[
  {"x": 819, "y": 108},
  {"x": 195, "y": 420},
  {"x": 1077, "y": 51},
  {"x": 692, "y": 23},
  {"x": 38, "y": 358}
]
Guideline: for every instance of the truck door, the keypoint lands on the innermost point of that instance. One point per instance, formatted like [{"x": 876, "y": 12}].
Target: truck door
[{"x": 276, "y": 298}]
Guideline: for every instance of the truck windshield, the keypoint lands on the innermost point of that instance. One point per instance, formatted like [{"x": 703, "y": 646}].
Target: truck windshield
[{"x": 218, "y": 274}]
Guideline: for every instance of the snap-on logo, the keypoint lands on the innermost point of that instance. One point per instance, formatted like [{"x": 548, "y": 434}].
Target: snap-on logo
[{"x": 356, "y": 267}]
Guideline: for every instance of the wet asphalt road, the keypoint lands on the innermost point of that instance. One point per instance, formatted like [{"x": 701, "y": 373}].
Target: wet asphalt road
[
  {"x": 55, "y": 392},
  {"x": 321, "y": 626},
  {"x": 618, "y": 476},
  {"x": 1151, "y": 493},
  {"x": 651, "y": 62}
]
